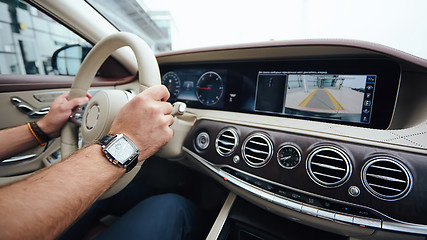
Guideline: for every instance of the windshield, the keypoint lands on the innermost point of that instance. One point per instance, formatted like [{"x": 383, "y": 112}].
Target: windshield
[{"x": 175, "y": 25}]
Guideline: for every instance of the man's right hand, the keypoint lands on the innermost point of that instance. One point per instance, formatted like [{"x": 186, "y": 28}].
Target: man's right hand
[{"x": 146, "y": 120}]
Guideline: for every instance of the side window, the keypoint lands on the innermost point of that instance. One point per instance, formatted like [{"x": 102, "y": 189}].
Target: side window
[{"x": 29, "y": 39}]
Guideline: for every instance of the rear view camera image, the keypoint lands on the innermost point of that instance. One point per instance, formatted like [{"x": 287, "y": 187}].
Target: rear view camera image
[{"x": 338, "y": 97}]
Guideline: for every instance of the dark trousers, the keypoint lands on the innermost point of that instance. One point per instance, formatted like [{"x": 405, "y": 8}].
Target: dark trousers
[{"x": 165, "y": 216}]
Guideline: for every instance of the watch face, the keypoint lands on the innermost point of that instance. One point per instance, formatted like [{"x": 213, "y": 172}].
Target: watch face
[{"x": 121, "y": 150}]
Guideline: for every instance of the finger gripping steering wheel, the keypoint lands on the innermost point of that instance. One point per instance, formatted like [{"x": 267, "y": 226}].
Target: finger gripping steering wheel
[{"x": 106, "y": 104}]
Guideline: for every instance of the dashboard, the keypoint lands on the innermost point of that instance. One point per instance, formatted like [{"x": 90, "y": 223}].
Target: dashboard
[
  {"x": 333, "y": 135},
  {"x": 358, "y": 92}
]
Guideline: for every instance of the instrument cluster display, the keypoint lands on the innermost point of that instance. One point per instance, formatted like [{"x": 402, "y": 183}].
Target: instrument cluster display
[
  {"x": 352, "y": 92},
  {"x": 196, "y": 87}
]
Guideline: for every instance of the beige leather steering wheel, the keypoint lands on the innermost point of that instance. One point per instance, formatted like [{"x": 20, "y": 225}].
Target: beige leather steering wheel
[{"x": 104, "y": 106}]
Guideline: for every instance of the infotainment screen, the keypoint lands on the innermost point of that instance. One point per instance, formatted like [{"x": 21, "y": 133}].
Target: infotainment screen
[{"x": 339, "y": 97}]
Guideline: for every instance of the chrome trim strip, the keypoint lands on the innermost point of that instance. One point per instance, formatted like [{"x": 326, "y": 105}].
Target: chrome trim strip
[
  {"x": 405, "y": 227},
  {"x": 299, "y": 207},
  {"x": 18, "y": 159}
]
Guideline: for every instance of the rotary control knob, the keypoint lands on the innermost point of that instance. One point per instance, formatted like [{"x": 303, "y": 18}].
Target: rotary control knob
[{"x": 202, "y": 141}]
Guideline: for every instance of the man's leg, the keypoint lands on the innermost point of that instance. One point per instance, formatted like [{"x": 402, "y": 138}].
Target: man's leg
[{"x": 166, "y": 216}]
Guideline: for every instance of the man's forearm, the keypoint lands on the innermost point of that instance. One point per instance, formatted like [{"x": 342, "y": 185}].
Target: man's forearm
[
  {"x": 45, "y": 204},
  {"x": 16, "y": 140}
]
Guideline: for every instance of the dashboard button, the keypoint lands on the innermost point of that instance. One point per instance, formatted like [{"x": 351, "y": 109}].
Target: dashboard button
[
  {"x": 281, "y": 201},
  {"x": 367, "y": 222},
  {"x": 202, "y": 141},
  {"x": 266, "y": 196},
  {"x": 294, "y": 206},
  {"x": 343, "y": 218},
  {"x": 354, "y": 191},
  {"x": 325, "y": 214},
  {"x": 309, "y": 210}
]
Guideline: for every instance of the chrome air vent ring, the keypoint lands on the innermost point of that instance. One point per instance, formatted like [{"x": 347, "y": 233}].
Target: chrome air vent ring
[
  {"x": 226, "y": 142},
  {"x": 387, "y": 178},
  {"x": 329, "y": 166},
  {"x": 257, "y": 150}
]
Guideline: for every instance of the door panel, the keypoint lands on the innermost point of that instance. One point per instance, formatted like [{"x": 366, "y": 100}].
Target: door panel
[
  {"x": 37, "y": 93},
  {"x": 12, "y": 116}
]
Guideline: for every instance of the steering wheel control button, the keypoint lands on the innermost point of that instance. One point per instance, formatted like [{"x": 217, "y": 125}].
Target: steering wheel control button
[
  {"x": 92, "y": 116},
  {"x": 354, "y": 191},
  {"x": 202, "y": 141}
]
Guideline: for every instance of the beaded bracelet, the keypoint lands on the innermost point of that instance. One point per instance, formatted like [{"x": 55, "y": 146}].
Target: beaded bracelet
[{"x": 40, "y": 136}]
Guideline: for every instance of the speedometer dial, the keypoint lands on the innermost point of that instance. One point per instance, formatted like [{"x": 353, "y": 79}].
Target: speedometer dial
[
  {"x": 172, "y": 82},
  {"x": 210, "y": 88}
]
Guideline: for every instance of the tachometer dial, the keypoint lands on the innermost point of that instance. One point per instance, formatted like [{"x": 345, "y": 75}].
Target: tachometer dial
[
  {"x": 210, "y": 88},
  {"x": 289, "y": 156},
  {"x": 172, "y": 82}
]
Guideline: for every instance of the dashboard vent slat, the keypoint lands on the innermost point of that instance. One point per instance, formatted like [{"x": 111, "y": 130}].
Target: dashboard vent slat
[
  {"x": 226, "y": 142},
  {"x": 222, "y": 142},
  {"x": 386, "y": 178},
  {"x": 257, "y": 150},
  {"x": 384, "y": 187},
  {"x": 258, "y": 143},
  {"x": 328, "y": 166},
  {"x": 325, "y": 175},
  {"x": 255, "y": 158},
  {"x": 329, "y": 157}
]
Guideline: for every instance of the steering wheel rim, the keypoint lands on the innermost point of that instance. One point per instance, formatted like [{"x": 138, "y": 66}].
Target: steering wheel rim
[{"x": 148, "y": 72}]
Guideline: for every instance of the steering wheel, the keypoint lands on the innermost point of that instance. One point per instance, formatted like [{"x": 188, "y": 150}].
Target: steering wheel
[{"x": 104, "y": 106}]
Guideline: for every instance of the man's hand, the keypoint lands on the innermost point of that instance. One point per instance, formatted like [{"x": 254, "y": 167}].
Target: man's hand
[
  {"x": 146, "y": 120},
  {"x": 59, "y": 112}
]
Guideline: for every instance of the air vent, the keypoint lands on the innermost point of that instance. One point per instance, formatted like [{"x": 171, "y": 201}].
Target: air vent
[
  {"x": 328, "y": 166},
  {"x": 226, "y": 142},
  {"x": 257, "y": 150},
  {"x": 386, "y": 178}
]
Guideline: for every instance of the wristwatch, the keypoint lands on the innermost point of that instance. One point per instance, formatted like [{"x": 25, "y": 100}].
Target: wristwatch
[{"x": 120, "y": 150}]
